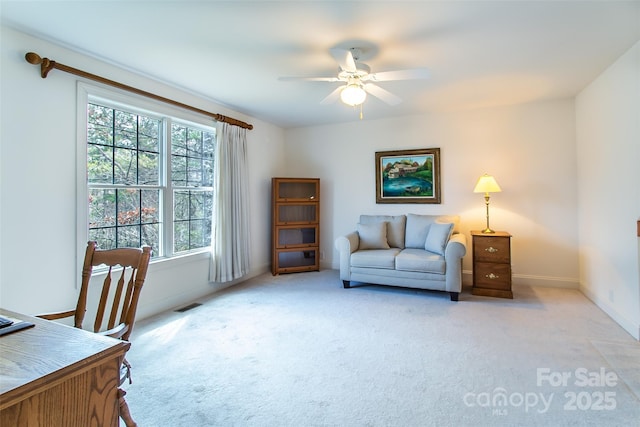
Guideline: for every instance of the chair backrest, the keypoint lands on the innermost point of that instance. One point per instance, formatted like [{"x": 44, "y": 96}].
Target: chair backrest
[{"x": 119, "y": 301}]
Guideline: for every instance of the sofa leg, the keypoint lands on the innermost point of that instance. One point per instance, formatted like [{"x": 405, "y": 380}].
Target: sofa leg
[
  {"x": 346, "y": 284},
  {"x": 454, "y": 296}
]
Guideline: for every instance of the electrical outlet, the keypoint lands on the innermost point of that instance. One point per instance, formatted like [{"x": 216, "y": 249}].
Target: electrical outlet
[{"x": 321, "y": 255}]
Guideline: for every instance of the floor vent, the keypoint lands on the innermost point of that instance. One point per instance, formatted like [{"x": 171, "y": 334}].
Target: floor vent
[{"x": 188, "y": 307}]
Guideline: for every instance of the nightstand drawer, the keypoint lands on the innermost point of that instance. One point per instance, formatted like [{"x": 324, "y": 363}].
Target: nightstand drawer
[
  {"x": 493, "y": 276},
  {"x": 491, "y": 249}
]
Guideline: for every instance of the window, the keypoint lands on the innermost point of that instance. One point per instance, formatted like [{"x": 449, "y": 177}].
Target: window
[
  {"x": 191, "y": 179},
  {"x": 149, "y": 179}
]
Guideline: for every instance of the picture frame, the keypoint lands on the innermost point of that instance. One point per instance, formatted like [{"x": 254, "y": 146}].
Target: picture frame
[{"x": 408, "y": 176}]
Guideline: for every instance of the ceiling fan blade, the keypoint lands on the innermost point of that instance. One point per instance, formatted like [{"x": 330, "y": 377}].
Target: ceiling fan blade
[
  {"x": 333, "y": 96},
  {"x": 309, "y": 79},
  {"x": 344, "y": 58},
  {"x": 385, "y": 76},
  {"x": 383, "y": 94}
]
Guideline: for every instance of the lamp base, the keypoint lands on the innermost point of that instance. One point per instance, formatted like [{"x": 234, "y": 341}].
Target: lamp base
[{"x": 487, "y": 230}]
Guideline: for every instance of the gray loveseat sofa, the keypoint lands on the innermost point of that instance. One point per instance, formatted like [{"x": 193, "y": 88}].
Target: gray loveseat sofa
[{"x": 415, "y": 251}]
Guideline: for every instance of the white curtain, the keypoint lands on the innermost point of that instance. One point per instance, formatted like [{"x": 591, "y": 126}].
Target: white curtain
[{"x": 230, "y": 226}]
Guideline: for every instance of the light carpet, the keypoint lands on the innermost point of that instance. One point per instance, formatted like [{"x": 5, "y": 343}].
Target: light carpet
[{"x": 299, "y": 350}]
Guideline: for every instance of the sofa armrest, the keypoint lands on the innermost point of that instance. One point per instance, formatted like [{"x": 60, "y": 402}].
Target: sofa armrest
[
  {"x": 346, "y": 245},
  {"x": 453, "y": 254},
  {"x": 456, "y": 246}
]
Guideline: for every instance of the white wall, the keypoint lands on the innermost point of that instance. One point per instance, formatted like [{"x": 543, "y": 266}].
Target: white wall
[
  {"x": 608, "y": 152},
  {"x": 530, "y": 149},
  {"x": 38, "y": 180}
]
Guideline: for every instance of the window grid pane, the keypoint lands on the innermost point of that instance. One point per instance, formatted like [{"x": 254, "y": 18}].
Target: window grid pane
[
  {"x": 124, "y": 160},
  {"x": 124, "y": 217},
  {"x": 192, "y": 219},
  {"x": 191, "y": 156}
]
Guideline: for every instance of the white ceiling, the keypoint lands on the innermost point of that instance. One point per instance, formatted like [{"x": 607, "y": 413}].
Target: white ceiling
[{"x": 479, "y": 53}]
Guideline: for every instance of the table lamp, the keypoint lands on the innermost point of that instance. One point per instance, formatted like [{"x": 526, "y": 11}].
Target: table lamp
[{"x": 487, "y": 184}]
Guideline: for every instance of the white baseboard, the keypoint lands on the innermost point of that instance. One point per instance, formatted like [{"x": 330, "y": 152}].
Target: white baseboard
[
  {"x": 626, "y": 323},
  {"x": 546, "y": 281},
  {"x": 166, "y": 304},
  {"x": 149, "y": 309}
]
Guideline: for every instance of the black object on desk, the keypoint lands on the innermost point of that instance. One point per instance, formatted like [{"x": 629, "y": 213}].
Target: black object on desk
[{"x": 9, "y": 325}]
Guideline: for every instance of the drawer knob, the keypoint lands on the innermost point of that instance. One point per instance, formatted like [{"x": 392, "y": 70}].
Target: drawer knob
[
  {"x": 491, "y": 249},
  {"x": 492, "y": 276}
]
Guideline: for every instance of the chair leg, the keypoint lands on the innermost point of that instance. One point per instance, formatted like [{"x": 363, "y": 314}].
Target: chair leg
[{"x": 124, "y": 409}]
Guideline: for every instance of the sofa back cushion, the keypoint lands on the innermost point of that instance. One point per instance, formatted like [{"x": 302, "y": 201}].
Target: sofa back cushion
[
  {"x": 417, "y": 230},
  {"x": 418, "y": 226},
  {"x": 373, "y": 236},
  {"x": 395, "y": 227}
]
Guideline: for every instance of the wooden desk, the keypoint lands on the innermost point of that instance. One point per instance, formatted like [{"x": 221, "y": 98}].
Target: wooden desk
[{"x": 54, "y": 375}]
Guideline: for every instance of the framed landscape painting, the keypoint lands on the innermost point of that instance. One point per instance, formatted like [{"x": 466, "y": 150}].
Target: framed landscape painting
[{"x": 408, "y": 176}]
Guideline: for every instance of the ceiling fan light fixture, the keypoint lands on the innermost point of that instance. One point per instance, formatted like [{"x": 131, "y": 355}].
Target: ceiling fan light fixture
[{"x": 353, "y": 94}]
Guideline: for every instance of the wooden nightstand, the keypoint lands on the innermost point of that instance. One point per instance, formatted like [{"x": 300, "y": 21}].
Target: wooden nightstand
[{"x": 492, "y": 264}]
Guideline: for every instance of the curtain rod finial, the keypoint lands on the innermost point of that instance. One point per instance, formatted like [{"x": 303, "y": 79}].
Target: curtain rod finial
[
  {"x": 45, "y": 64},
  {"x": 33, "y": 58}
]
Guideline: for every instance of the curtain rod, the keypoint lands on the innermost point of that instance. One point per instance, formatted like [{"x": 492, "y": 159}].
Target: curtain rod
[{"x": 47, "y": 65}]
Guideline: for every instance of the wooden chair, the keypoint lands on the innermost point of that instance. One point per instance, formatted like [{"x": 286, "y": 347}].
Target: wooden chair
[{"x": 120, "y": 302}]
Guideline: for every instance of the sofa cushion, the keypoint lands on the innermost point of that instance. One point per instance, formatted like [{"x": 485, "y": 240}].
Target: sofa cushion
[
  {"x": 373, "y": 236},
  {"x": 420, "y": 260},
  {"x": 437, "y": 237},
  {"x": 417, "y": 230},
  {"x": 377, "y": 258},
  {"x": 395, "y": 227}
]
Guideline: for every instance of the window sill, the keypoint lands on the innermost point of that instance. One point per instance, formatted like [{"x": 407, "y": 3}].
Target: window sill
[
  {"x": 169, "y": 262},
  {"x": 186, "y": 258}
]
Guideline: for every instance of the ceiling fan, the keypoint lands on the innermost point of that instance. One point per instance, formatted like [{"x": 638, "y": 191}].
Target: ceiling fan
[{"x": 359, "y": 80}]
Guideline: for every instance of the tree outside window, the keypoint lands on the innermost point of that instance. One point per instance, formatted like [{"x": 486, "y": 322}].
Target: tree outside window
[{"x": 128, "y": 196}]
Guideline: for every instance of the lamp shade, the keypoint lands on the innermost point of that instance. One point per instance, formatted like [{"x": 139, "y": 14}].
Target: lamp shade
[
  {"x": 353, "y": 94},
  {"x": 487, "y": 184}
]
